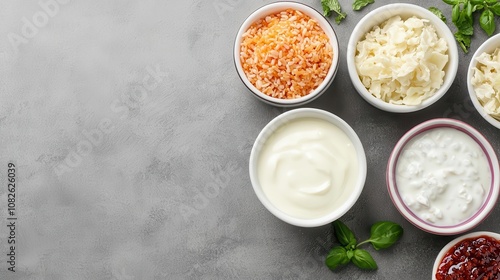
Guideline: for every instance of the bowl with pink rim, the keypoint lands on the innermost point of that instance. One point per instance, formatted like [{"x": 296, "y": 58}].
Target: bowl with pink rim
[{"x": 443, "y": 176}]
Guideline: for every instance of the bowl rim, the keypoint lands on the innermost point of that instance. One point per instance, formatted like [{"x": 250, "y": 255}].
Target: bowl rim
[
  {"x": 489, "y": 201},
  {"x": 456, "y": 240},
  {"x": 322, "y": 22},
  {"x": 487, "y": 46},
  {"x": 441, "y": 28},
  {"x": 283, "y": 119}
]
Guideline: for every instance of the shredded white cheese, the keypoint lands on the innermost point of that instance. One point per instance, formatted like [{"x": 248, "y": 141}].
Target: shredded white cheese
[
  {"x": 402, "y": 61},
  {"x": 486, "y": 82}
]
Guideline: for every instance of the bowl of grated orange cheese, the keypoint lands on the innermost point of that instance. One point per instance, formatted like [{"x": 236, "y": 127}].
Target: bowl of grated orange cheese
[{"x": 286, "y": 54}]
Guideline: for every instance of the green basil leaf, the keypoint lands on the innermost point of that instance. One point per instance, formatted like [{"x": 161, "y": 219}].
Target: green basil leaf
[
  {"x": 463, "y": 40},
  {"x": 359, "y": 4},
  {"x": 451, "y": 2},
  {"x": 477, "y": 7},
  {"x": 326, "y": 7},
  {"x": 438, "y": 13},
  {"x": 468, "y": 9},
  {"x": 464, "y": 23},
  {"x": 333, "y": 6},
  {"x": 496, "y": 8},
  {"x": 384, "y": 234},
  {"x": 487, "y": 21},
  {"x": 340, "y": 17},
  {"x": 491, "y": 1},
  {"x": 363, "y": 259},
  {"x": 477, "y": 2},
  {"x": 337, "y": 257},
  {"x": 344, "y": 235},
  {"x": 350, "y": 254},
  {"x": 455, "y": 14}
]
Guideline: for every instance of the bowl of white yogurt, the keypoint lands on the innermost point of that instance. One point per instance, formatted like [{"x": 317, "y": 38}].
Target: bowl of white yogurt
[
  {"x": 443, "y": 176},
  {"x": 307, "y": 167}
]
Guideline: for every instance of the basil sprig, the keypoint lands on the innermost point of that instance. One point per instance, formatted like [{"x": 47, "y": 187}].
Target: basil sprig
[
  {"x": 330, "y": 6},
  {"x": 463, "y": 19},
  {"x": 382, "y": 235},
  {"x": 438, "y": 13},
  {"x": 360, "y": 4}
]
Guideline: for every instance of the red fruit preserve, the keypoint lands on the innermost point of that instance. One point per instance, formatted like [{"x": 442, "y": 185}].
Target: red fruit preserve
[{"x": 471, "y": 258}]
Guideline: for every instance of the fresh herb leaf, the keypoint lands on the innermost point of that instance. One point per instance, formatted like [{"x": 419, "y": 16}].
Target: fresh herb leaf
[
  {"x": 344, "y": 235},
  {"x": 477, "y": 7},
  {"x": 327, "y": 11},
  {"x": 384, "y": 234},
  {"x": 350, "y": 253},
  {"x": 363, "y": 259},
  {"x": 462, "y": 16},
  {"x": 438, "y": 13},
  {"x": 496, "y": 8},
  {"x": 487, "y": 22},
  {"x": 333, "y": 5},
  {"x": 360, "y": 4},
  {"x": 455, "y": 14},
  {"x": 463, "y": 40},
  {"x": 468, "y": 9},
  {"x": 337, "y": 257},
  {"x": 464, "y": 23},
  {"x": 340, "y": 17}
]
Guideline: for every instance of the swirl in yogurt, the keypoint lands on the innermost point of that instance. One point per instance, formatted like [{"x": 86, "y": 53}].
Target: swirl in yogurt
[{"x": 308, "y": 167}]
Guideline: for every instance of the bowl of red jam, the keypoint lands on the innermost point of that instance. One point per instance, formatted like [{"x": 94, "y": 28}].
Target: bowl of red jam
[{"x": 472, "y": 256}]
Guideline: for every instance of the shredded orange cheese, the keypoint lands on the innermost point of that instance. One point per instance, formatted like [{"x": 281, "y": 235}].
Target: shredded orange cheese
[{"x": 286, "y": 55}]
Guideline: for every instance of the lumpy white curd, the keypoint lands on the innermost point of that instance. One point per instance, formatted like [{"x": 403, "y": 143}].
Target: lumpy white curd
[
  {"x": 308, "y": 167},
  {"x": 443, "y": 176}
]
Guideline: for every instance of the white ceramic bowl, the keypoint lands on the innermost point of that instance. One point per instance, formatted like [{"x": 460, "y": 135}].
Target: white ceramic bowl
[
  {"x": 451, "y": 244},
  {"x": 488, "y": 46},
  {"x": 323, "y": 23},
  {"x": 377, "y": 17},
  {"x": 268, "y": 131},
  {"x": 489, "y": 201}
]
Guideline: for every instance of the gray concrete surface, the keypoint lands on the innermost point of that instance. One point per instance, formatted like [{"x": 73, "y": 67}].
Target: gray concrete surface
[{"x": 131, "y": 134}]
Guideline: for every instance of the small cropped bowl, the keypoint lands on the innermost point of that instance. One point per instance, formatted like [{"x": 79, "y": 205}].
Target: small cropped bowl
[
  {"x": 377, "y": 17},
  {"x": 488, "y": 203},
  {"x": 488, "y": 46},
  {"x": 457, "y": 240},
  {"x": 322, "y": 22},
  {"x": 267, "y": 132}
]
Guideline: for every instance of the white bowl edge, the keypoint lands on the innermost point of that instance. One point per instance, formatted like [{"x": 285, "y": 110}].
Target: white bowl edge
[{"x": 488, "y": 46}]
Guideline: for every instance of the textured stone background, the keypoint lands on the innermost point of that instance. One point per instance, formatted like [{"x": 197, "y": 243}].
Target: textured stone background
[{"x": 131, "y": 133}]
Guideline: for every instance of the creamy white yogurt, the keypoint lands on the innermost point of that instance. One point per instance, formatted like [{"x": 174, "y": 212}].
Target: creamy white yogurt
[
  {"x": 443, "y": 176},
  {"x": 308, "y": 167}
]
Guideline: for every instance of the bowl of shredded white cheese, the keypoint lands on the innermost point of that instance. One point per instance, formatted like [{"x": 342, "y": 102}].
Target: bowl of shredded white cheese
[
  {"x": 483, "y": 80},
  {"x": 402, "y": 58}
]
